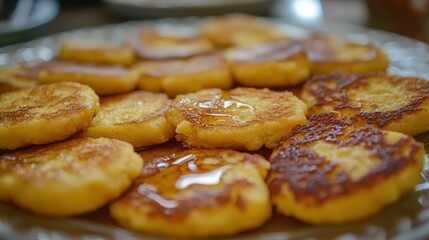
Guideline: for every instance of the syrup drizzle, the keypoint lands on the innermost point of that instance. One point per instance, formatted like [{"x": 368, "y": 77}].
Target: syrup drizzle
[
  {"x": 150, "y": 192},
  {"x": 191, "y": 172},
  {"x": 208, "y": 178}
]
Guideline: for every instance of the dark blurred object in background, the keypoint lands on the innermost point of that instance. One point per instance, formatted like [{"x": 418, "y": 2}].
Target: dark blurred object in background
[
  {"x": 6, "y": 9},
  {"x": 21, "y": 18},
  {"x": 179, "y": 8},
  {"x": 406, "y": 17}
]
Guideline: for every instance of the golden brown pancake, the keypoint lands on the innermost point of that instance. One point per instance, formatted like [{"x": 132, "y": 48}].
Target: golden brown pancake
[
  {"x": 96, "y": 52},
  {"x": 105, "y": 80},
  {"x": 137, "y": 118},
  {"x": 162, "y": 42},
  {"x": 333, "y": 171},
  {"x": 272, "y": 64},
  {"x": 239, "y": 29},
  {"x": 328, "y": 54},
  {"x": 45, "y": 113},
  {"x": 68, "y": 178},
  {"x": 196, "y": 193},
  {"x": 389, "y": 102},
  {"x": 242, "y": 118},
  {"x": 184, "y": 76}
]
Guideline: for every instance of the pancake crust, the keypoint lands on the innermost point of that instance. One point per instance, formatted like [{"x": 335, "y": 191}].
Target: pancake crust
[
  {"x": 56, "y": 110},
  {"x": 242, "y": 118},
  {"x": 96, "y": 52},
  {"x": 328, "y": 54},
  {"x": 389, "y": 102},
  {"x": 184, "y": 76},
  {"x": 273, "y": 64},
  {"x": 239, "y": 29},
  {"x": 137, "y": 118},
  {"x": 68, "y": 178},
  {"x": 103, "y": 79},
  {"x": 332, "y": 171},
  {"x": 168, "y": 42},
  {"x": 196, "y": 193}
]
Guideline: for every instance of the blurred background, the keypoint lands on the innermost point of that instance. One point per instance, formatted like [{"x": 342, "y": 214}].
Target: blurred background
[{"x": 27, "y": 19}]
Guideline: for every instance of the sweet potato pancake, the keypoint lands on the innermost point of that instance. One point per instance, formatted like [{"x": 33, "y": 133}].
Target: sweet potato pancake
[
  {"x": 68, "y": 178},
  {"x": 96, "y": 52},
  {"x": 329, "y": 54},
  {"x": 45, "y": 113},
  {"x": 242, "y": 118},
  {"x": 332, "y": 171},
  {"x": 273, "y": 64},
  {"x": 389, "y": 102},
  {"x": 103, "y": 79},
  {"x": 137, "y": 118},
  {"x": 239, "y": 29},
  {"x": 167, "y": 42},
  {"x": 184, "y": 76},
  {"x": 196, "y": 193}
]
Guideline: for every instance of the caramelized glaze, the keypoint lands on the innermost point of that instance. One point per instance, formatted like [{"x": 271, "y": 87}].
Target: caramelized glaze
[
  {"x": 311, "y": 176},
  {"x": 176, "y": 181},
  {"x": 336, "y": 90}
]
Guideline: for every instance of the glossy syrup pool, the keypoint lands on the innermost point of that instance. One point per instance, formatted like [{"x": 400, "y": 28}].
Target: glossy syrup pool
[
  {"x": 222, "y": 108},
  {"x": 223, "y": 104},
  {"x": 173, "y": 185}
]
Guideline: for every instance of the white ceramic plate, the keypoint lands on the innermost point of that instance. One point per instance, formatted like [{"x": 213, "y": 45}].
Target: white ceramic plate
[{"x": 406, "y": 219}]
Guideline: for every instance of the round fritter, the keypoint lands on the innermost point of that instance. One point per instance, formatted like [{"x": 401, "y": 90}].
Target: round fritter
[
  {"x": 242, "y": 118},
  {"x": 387, "y": 101},
  {"x": 239, "y": 29},
  {"x": 196, "y": 193},
  {"x": 103, "y": 79},
  {"x": 96, "y": 52},
  {"x": 332, "y": 171},
  {"x": 45, "y": 113},
  {"x": 273, "y": 64},
  {"x": 166, "y": 42},
  {"x": 329, "y": 54},
  {"x": 137, "y": 118},
  {"x": 184, "y": 76},
  {"x": 68, "y": 178}
]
